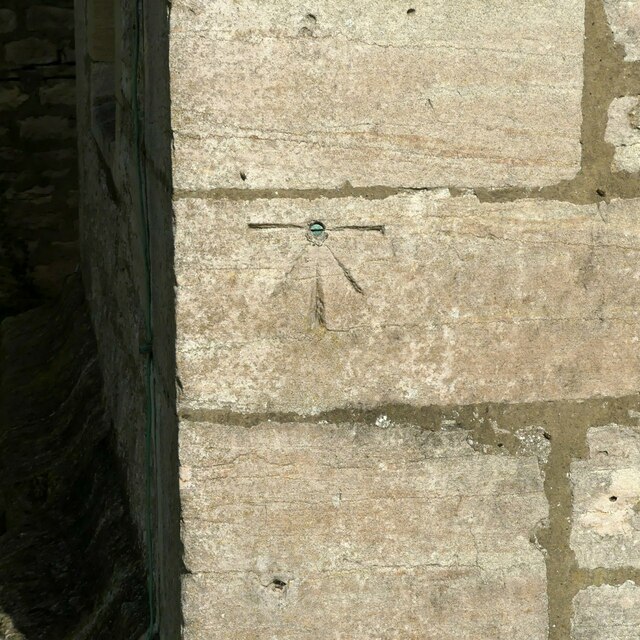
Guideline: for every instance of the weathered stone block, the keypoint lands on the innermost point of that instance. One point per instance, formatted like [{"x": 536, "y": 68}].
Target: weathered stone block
[
  {"x": 416, "y": 299},
  {"x": 607, "y": 613},
  {"x": 8, "y": 21},
  {"x": 101, "y": 30},
  {"x": 457, "y": 92},
  {"x": 47, "y": 18},
  {"x": 11, "y": 96},
  {"x": 58, "y": 92},
  {"x": 623, "y": 132},
  {"x": 606, "y": 510},
  {"x": 358, "y": 531},
  {"x": 47, "y": 128},
  {"x": 31, "y": 51},
  {"x": 624, "y": 20}
]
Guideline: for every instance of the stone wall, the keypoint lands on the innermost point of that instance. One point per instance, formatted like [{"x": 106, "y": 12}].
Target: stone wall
[
  {"x": 69, "y": 563},
  {"x": 38, "y": 157},
  {"x": 126, "y": 247},
  {"x": 407, "y": 318}
]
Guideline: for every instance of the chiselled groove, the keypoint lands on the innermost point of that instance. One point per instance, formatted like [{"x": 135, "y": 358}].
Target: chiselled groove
[
  {"x": 354, "y": 227},
  {"x": 347, "y": 273},
  {"x": 319, "y": 318},
  {"x": 274, "y": 225},
  {"x": 280, "y": 287}
]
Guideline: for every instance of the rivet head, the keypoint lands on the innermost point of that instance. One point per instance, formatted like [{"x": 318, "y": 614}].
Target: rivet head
[
  {"x": 316, "y": 228},
  {"x": 317, "y": 232}
]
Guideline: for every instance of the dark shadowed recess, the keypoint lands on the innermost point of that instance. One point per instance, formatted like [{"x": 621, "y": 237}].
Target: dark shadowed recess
[{"x": 70, "y": 564}]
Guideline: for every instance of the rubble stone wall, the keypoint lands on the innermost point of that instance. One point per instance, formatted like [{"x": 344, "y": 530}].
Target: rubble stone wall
[{"x": 38, "y": 156}]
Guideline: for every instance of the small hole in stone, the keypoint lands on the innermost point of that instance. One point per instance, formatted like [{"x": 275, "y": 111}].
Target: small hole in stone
[
  {"x": 613, "y": 499},
  {"x": 547, "y": 436},
  {"x": 500, "y": 444},
  {"x": 316, "y": 228},
  {"x": 278, "y": 584},
  {"x": 601, "y": 192},
  {"x": 243, "y": 175},
  {"x": 311, "y": 17},
  {"x": 410, "y": 12}
]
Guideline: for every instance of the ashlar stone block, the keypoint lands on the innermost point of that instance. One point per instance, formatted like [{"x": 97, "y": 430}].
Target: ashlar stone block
[
  {"x": 607, "y": 613},
  {"x": 51, "y": 19},
  {"x": 11, "y": 96},
  {"x": 309, "y": 531},
  {"x": 375, "y": 92},
  {"x": 623, "y": 132},
  {"x": 606, "y": 509},
  {"x": 413, "y": 299},
  {"x": 624, "y": 20},
  {"x": 30, "y": 51},
  {"x": 8, "y": 20},
  {"x": 58, "y": 92}
]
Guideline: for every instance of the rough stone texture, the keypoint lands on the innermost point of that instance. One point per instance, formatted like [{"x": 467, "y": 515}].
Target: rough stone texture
[
  {"x": 50, "y": 19},
  {"x": 623, "y": 131},
  {"x": 8, "y": 20},
  {"x": 113, "y": 233},
  {"x": 47, "y": 128},
  {"x": 11, "y": 96},
  {"x": 31, "y": 51},
  {"x": 101, "y": 30},
  {"x": 454, "y": 301},
  {"x": 464, "y": 93},
  {"x": 69, "y": 563},
  {"x": 59, "y": 92},
  {"x": 606, "y": 508},
  {"x": 38, "y": 157},
  {"x": 624, "y": 20},
  {"x": 358, "y": 531},
  {"x": 607, "y": 613},
  {"x": 357, "y": 528}
]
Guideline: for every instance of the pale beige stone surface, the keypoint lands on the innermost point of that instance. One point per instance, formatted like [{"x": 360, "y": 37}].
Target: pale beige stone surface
[
  {"x": 357, "y": 531},
  {"x": 607, "y": 613},
  {"x": 452, "y": 302},
  {"x": 624, "y": 20},
  {"x": 606, "y": 508},
  {"x": 459, "y": 92},
  {"x": 623, "y": 132}
]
